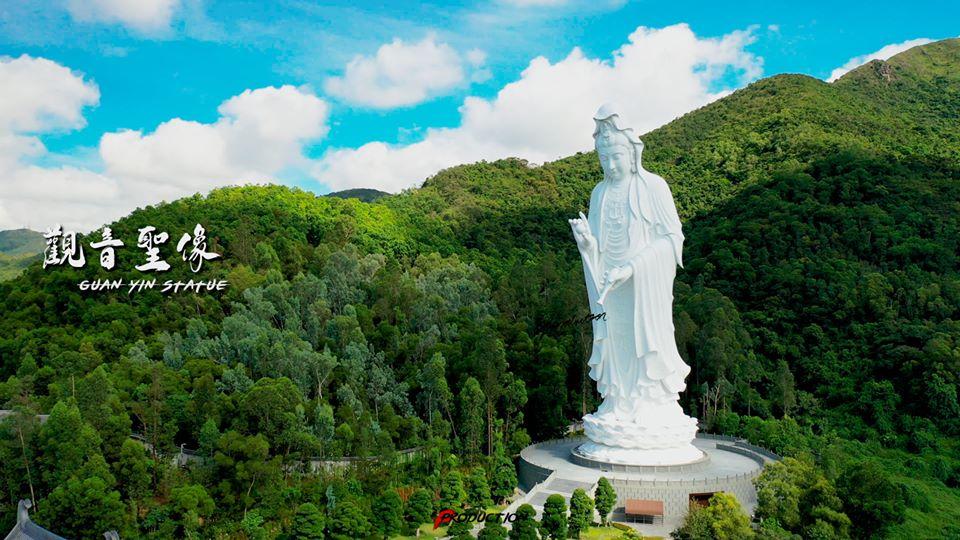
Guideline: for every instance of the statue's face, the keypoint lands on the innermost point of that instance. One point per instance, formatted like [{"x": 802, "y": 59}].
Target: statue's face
[{"x": 615, "y": 161}]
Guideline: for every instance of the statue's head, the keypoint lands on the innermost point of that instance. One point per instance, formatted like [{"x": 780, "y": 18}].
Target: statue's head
[{"x": 618, "y": 148}]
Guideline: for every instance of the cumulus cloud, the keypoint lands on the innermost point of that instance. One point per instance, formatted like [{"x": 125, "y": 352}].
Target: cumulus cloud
[
  {"x": 39, "y": 95},
  {"x": 40, "y": 197},
  {"x": 882, "y": 54},
  {"x": 147, "y": 16},
  {"x": 260, "y": 133},
  {"x": 36, "y": 95},
  {"x": 657, "y": 75},
  {"x": 402, "y": 74}
]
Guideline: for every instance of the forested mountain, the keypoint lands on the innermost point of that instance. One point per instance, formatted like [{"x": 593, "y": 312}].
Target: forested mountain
[
  {"x": 819, "y": 307},
  {"x": 18, "y": 248},
  {"x": 363, "y": 194}
]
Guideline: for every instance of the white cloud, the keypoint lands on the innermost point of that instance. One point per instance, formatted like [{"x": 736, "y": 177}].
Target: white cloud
[
  {"x": 39, "y": 95},
  {"x": 476, "y": 57},
  {"x": 882, "y": 54},
  {"x": 656, "y": 76},
  {"x": 36, "y": 95},
  {"x": 147, "y": 16},
  {"x": 260, "y": 134},
  {"x": 402, "y": 74},
  {"x": 40, "y": 197}
]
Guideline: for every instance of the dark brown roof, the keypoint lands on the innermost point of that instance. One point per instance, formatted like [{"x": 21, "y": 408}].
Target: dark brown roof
[{"x": 641, "y": 507}]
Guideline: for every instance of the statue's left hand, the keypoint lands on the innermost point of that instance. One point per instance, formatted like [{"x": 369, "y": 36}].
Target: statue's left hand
[{"x": 615, "y": 277}]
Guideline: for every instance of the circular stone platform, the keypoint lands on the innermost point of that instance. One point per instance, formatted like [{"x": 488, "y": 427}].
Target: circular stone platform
[
  {"x": 729, "y": 465},
  {"x": 582, "y": 458}
]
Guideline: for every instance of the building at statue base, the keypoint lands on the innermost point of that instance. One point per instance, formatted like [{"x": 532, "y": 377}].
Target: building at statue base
[{"x": 653, "y": 499}]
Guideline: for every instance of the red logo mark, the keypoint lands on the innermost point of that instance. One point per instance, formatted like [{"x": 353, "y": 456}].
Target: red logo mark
[{"x": 444, "y": 518}]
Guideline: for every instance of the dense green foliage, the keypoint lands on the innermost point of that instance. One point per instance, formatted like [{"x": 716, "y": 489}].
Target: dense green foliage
[
  {"x": 581, "y": 512},
  {"x": 801, "y": 500},
  {"x": 553, "y": 522},
  {"x": 525, "y": 526},
  {"x": 721, "y": 519},
  {"x": 492, "y": 530},
  {"x": 606, "y": 497},
  {"x": 363, "y": 194},
  {"x": 819, "y": 307}
]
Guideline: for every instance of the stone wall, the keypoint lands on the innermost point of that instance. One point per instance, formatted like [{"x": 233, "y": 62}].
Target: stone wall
[
  {"x": 530, "y": 475},
  {"x": 676, "y": 494},
  {"x": 670, "y": 487}
]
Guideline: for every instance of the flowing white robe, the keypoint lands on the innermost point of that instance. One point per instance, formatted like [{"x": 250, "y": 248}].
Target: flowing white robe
[{"x": 635, "y": 357}]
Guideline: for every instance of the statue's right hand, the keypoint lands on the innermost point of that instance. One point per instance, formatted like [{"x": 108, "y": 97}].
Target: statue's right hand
[{"x": 581, "y": 233}]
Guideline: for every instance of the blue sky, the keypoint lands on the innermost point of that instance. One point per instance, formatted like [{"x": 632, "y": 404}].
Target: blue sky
[{"x": 433, "y": 84}]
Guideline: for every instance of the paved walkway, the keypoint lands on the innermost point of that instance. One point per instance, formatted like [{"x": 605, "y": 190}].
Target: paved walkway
[{"x": 537, "y": 496}]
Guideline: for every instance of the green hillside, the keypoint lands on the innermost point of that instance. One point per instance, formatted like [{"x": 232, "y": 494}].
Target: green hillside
[
  {"x": 818, "y": 307},
  {"x": 21, "y": 242},
  {"x": 18, "y": 249},
  {"x": 363, "y": 194}
]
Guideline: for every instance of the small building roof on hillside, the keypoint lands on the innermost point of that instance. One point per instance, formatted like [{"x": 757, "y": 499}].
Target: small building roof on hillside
[{"x": 26, "y": 529}]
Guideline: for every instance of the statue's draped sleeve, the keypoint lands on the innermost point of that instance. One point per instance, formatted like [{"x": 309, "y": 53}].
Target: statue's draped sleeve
[
  {"x": 659, "y": 208},
  {"x": 654, "y": 270},
  {"x": 591, "y": 271}
]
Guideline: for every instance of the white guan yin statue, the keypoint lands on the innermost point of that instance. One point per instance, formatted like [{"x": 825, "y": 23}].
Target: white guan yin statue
[{"x": 631, "y": 243}]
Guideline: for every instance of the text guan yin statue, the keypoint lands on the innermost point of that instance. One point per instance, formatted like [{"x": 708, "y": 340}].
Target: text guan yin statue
[{"x": 631, "y": 244}]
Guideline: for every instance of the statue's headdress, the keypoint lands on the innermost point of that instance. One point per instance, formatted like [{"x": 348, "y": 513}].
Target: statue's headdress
[
  {"x": 655, "y": 204},
  {"x": 610, "y": 131}
]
